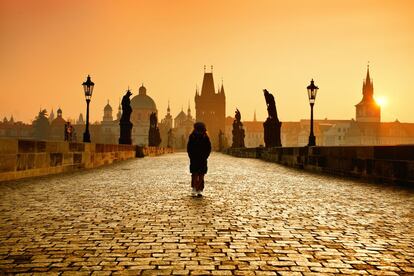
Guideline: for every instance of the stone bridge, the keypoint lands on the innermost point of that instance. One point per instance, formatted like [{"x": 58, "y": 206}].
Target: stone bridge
[{"x": 256, "y": 218}]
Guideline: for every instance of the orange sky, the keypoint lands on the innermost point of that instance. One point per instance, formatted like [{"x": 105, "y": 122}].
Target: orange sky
[{"x": 47, "y": 47}]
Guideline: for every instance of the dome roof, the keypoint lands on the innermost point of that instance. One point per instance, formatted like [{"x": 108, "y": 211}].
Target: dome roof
[
  {"x": 107, "y": 107},
  {"x": 142, "y": 100}
]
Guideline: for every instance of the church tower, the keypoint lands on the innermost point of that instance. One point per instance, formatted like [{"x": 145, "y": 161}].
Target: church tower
[
  {"x": 168, "y": 120},
  {"x": 107, "y": 113},
  {"x": 367, "y": 110},
  {"x": 211, "y": 108}
]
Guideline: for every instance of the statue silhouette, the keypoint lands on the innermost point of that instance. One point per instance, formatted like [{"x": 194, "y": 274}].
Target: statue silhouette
[
  {"x": 272, "y": 124},
  {"x": 125, "y": 123},
  {"x": 270, "y": 103},
  {"x": 238, "y": 131}
]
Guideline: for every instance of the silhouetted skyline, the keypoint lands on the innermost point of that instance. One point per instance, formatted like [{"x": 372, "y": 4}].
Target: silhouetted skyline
[{"x": 49, "y": 47}]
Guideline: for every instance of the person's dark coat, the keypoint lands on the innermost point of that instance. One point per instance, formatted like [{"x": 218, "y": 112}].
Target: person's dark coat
[{"x": 198, "y": 149}]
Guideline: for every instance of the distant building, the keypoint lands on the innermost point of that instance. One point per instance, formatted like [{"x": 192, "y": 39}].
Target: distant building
[
  {"x": 57, "y": 127},
  {"x": 211, "y": 108},
  {"x": 180, "y": 128},
  {"x": 183, "y": 126},
  {"x": 367, "y": 110},
  {"x": 109, "y": 127},
  {"x": 12, "y": 129},
  {"x": 142, "y": 106},
  {"x": 165, "y": 127}
]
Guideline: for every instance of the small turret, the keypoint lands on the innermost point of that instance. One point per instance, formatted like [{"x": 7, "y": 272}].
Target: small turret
[
  {"x": 119, "y": 114},
  {"x": 189, "y": 110}
]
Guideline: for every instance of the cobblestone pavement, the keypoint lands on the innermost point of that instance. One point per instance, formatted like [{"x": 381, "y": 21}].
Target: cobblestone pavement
[{"x": 256, "y": 218}]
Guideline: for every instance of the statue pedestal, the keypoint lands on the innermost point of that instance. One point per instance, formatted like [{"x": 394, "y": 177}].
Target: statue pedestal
[
  {"x": 272, "y": 133},
  {"x": 238, "y": 135},
  {"x": 125, "y": 135}
]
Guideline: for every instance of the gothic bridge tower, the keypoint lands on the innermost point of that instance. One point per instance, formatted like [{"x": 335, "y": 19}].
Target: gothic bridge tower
[{"x": 211, "y": 108}]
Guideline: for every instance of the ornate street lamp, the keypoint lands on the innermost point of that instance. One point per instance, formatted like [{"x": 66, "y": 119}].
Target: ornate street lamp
[
  {"x": 88, "y": 89},
  {"x": 312, "y": 90}
]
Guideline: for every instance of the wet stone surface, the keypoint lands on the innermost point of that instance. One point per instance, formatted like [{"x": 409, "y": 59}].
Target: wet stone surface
[{"x": 256, "y": 218}]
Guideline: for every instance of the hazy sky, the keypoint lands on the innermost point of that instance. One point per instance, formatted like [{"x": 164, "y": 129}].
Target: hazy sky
[{"x": 47, "y": 47}]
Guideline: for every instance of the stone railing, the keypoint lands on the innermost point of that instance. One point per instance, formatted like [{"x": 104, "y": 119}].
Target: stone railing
[
  {"x": 391, "y": 164},
  {"x": 27, "y": 158},
  {"x": 152, "y": 151}
]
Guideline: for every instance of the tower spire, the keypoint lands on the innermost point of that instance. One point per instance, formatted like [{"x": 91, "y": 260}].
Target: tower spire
[
  {"x": 189, "y": 110},
  {"x": 254, "y": 116},
  {"x": 368, "y": 78}
]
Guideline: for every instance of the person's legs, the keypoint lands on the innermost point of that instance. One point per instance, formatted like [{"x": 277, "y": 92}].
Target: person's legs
[
  {"x": 194, "y": 180},
  {"x": 197, "y": 182},
  {"x": 201, "y": 182}
]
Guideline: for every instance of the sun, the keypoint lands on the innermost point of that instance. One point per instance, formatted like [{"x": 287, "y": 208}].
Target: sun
[{"x": 381, "y": 101}]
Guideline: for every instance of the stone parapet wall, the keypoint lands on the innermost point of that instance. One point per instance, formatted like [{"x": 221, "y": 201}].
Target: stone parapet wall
[
  {"x": 153, "y": 151},
  {"x": 26, "y": 158},
  {"x": 390, "y": 164}
]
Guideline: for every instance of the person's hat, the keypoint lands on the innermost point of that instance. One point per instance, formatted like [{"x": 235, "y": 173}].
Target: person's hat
[{"x": 200, "y": 126}]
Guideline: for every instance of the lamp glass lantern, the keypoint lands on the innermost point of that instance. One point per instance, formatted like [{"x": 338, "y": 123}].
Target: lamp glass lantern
[
  {"x": 88, "y": 88},
  {"x": 312, "y": 91}
]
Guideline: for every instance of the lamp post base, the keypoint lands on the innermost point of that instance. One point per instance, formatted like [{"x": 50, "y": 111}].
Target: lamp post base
[
  {"x": 312, "y": 141},
  {"x": 86, "y": 137}
]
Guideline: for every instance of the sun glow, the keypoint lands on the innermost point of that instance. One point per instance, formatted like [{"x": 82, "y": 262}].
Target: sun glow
[{"x": 381, "y": 101}]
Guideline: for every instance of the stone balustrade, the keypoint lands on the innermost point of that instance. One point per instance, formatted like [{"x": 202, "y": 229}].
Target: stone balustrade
[
  {"x": 21, "y": 158},
  {"x": 152, "y": 151},
  {"x": 391, "y": 164}
]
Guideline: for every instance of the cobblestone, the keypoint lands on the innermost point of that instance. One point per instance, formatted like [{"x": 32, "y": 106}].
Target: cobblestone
[{"x": 256, "y": 218}]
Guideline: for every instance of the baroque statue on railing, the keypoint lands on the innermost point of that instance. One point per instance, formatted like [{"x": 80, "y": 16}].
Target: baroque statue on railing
[
  {"x": 272, "y": 124},
  {"x": 125, "y": 123},
  {"x": 238, "y": 131}
]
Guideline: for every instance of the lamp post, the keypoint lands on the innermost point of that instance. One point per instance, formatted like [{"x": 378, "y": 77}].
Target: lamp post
[
  {"x": 88, "y": 89},
  {"x": 312, "y": 90}
]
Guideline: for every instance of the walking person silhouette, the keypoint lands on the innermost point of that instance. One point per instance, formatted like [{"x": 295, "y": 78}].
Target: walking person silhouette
[{"x": 198, "y": 149}]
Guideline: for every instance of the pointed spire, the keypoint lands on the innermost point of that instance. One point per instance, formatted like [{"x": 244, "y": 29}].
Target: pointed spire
[
  {"x": 222, "y": 87},
  {"x": 254, "y": 116},
  {"x": 168, "y": 108},
  {"x": 368, "y": 78}
]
